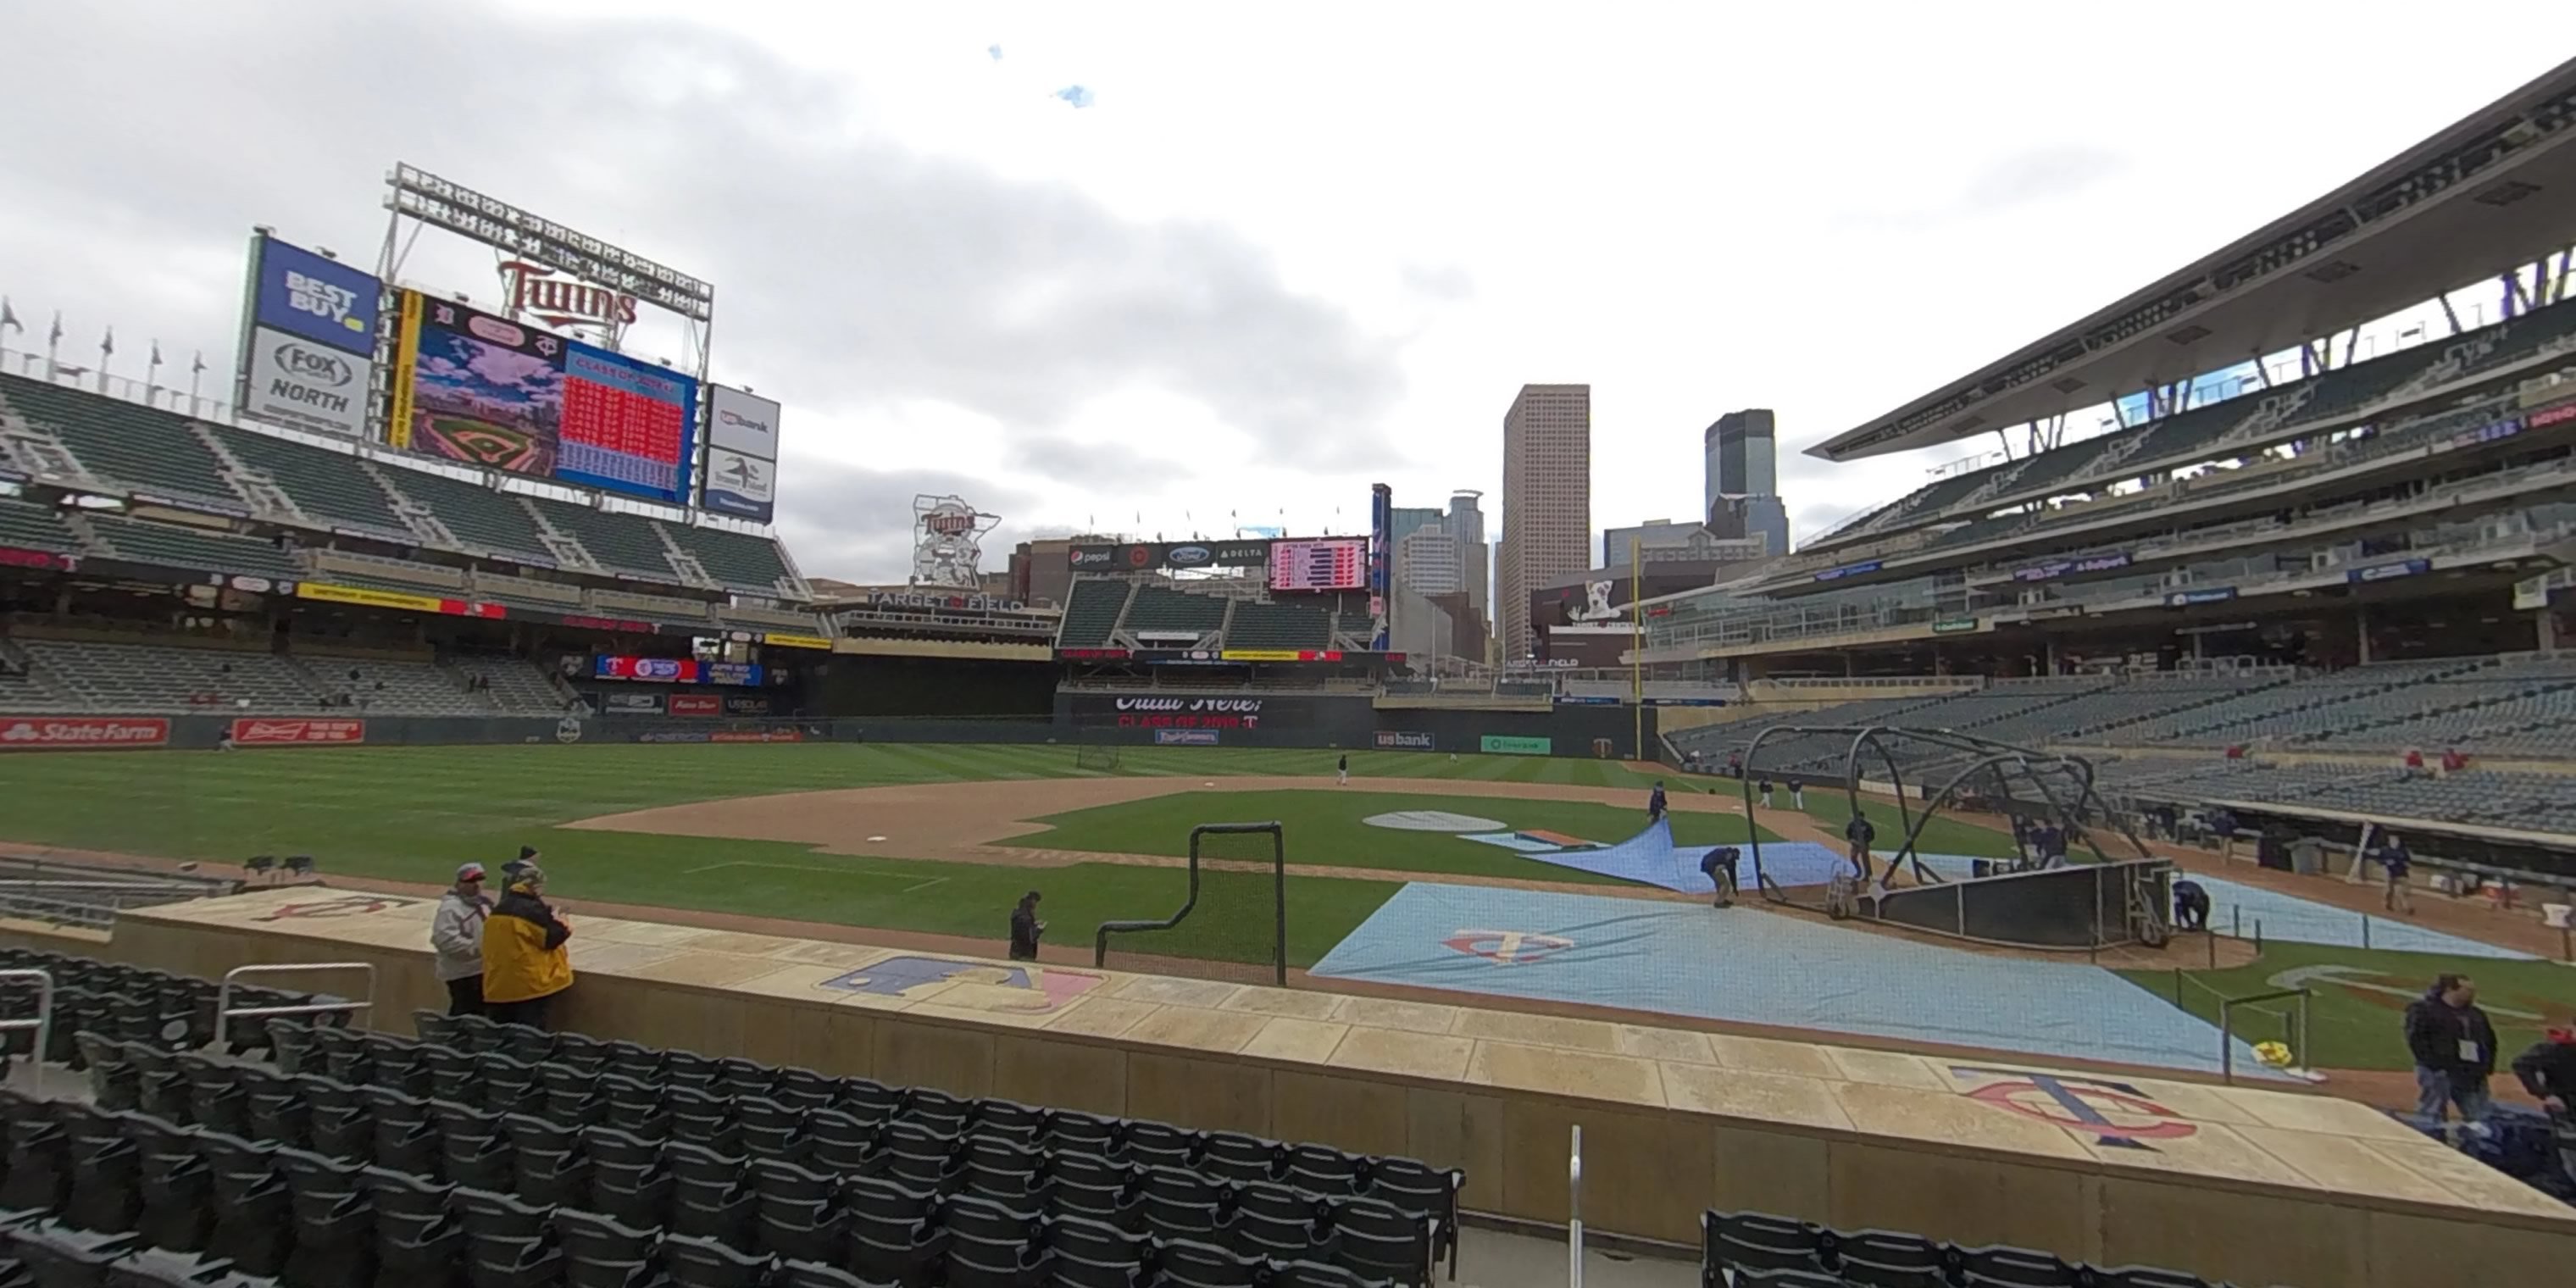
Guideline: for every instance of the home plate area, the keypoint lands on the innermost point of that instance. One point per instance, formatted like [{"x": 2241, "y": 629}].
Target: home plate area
[{"x": 1748, "y": 966}]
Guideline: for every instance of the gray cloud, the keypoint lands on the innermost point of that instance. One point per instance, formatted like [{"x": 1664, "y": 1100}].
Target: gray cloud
[
  {"x": 2044, "y": 173},
  {"x": 1090, "y": 464},
  {"x": 1447, "y": 283},
  {"x": 851, "y": 273}
]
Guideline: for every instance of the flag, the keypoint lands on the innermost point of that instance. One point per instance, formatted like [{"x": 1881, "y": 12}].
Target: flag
[
  {"x": 198, "y": 368},
  {"x": 156, "y": 353},
  {"x": 9, "y": 317},
  {"x": 57, "y": 336},
  {"x": 107, "y": 344}
]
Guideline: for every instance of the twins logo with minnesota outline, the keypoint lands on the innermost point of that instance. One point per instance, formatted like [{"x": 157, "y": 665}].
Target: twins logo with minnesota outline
[{"x": 2117, "y": 1113}]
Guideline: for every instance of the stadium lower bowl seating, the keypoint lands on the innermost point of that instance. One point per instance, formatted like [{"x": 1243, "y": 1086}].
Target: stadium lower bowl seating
[{"x": 498, "y": 1154}]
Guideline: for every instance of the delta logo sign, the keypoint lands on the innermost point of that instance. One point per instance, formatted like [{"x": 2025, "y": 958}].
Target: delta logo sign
[
  {"x": 1028, "y": 990},
  {"x": 71, "y": 733}
]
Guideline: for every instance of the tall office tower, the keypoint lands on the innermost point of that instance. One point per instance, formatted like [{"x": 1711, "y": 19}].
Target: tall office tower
[
  {"x": 1427, "y": 563},
  {"x": 1742, "y": 461},
  {"x": 1547, "y": 502},
  {"x": 1467, "y": 523},
  {"x": 1404, "y": 520}
]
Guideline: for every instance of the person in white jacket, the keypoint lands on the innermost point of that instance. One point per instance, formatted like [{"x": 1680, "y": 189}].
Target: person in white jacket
[{"x": 456, "y": 935}]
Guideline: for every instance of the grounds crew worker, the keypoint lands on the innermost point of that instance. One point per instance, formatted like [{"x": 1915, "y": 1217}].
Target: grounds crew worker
[
  {"x": 1025, "y": 929},
  {"x": 525, "y": 961}
]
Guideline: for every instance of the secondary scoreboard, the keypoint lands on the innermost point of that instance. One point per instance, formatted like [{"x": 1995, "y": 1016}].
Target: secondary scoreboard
[{"x": 1332, "y": 563}]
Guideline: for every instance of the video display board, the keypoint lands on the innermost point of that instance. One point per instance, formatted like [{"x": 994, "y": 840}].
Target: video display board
[
  {"x": 675, "y": 670},
  {"x": 472, "y": 387},
  {"x": 1331, "y": 563}
]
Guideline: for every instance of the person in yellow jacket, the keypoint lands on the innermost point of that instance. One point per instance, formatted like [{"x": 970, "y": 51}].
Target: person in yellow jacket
[{"x": 526, "y": 963}]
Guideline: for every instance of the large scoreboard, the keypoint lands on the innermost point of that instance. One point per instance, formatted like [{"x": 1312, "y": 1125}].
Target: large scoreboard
[{"x": 1331, "y": 563}]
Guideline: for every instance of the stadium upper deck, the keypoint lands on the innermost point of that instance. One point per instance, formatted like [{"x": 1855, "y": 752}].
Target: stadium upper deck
[{"x": 2480, "y": 197}]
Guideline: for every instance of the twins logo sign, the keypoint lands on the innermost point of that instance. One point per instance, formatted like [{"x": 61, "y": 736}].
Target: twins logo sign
[
  {"x": 2117, "y": 1113},
  {"x": 979, "y": 986}
]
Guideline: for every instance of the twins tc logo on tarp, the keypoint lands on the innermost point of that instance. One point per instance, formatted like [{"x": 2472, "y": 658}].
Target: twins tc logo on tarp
[
  {"x": 2117, "y": 1113},
  {"x": 1507, "y": 947}
]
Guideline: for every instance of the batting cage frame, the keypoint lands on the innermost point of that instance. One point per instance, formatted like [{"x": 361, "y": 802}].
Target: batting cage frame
[
  {"x": 1278, "y": 889},
  {"x": 1096, "y": 746},
  {"x": 2124, "y": 902}
]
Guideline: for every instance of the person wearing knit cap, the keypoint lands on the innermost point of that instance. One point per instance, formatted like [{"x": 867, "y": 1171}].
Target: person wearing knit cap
[
  {"x": 527, "y": 961},
  {"x": 456, "y": 936}
]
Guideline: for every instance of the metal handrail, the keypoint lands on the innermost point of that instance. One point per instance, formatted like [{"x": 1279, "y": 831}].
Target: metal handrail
[
  {"x": 2227, "y": 1027},
  {"x": 1574, "y": 1211},
  {"x": 226, "y": 1012},
  {"x": 42, "y": 1025}
]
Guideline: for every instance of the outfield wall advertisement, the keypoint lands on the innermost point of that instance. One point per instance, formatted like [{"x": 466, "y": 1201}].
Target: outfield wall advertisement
[
  {"x": 1347, "y": 723},
  {"x": 468, "y": 386}
]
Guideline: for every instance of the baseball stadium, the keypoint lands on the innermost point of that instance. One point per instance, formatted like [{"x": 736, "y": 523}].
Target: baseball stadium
[{"x": 2031, "y": 881}]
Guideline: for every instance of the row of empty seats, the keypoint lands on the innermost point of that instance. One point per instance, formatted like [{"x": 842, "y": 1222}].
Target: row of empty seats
[
  {"x": 167, "y": 454},
  {"x": 1101, "y": 607},
  {"x": 1757, "y": 1250},
  {"x": 96, "y": 675},
  {"x": 2315, "y": 399}
]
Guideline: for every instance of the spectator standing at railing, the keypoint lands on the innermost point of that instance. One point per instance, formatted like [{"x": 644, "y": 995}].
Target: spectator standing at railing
[
  {"x": 456, "y": 936},
  {"x": 2454, "y": 1049},
  {"x": 527, "y": 963}
]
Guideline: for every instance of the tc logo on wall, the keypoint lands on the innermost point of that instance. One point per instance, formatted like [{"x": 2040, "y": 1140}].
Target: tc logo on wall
[
  {"x": 2117, "y": 1113},
  {"x": 1006, "y": 989}
]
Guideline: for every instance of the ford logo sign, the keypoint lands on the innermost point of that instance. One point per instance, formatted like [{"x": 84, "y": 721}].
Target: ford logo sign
[{"x": 1188, "y": 556}]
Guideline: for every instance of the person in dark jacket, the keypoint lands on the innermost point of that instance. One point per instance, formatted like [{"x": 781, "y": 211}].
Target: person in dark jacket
[
  {"x": 2454, "y": 1049},
  {"x": 1655, "y": 804},
  {"x": 2191, "y": 905},
  {"x": 1719, "y": 866},
  {"x": 526, "y": 961},
  {"x": 1025, "y": 929},
  {"x": 2397, "y": 862},
  {"x": 2548, "y": 1072},
  {"x": 1860, "y": 832}
]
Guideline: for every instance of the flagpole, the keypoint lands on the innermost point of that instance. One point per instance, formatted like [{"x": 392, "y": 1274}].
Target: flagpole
[
  {"x": 53, "y": 343},
  {"x": 152, "y": 378},
  {"x": 106, "y": 351},
  {"x": 196, "y": 370}
]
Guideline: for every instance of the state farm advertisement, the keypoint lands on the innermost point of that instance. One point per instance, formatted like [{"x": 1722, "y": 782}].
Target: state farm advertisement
[
  {"x": 298, "y": 733},
  {"x": 696, "y": 704},
  {"x": 1189, "y": 713},
  {"x": 75, "y": 733}
]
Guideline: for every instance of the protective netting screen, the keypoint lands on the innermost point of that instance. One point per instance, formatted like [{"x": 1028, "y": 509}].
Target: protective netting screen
[
  {"x": 1102, "y": 757},
  {"x": 1232, "y": 929}
]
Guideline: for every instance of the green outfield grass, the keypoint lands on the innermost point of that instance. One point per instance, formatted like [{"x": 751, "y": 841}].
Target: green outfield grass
[
  {"x": 1330, "y": 828},
  {"x": 2358, "y": 1027},
  {"x": 414, "y": 813}
]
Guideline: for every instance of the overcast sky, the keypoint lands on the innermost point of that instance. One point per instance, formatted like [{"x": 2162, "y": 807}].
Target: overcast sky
[{"x": 1286, "y": 251}]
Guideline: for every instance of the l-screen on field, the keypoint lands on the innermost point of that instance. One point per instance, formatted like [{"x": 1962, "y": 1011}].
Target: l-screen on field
[{"x": 1482, "y": 878}]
